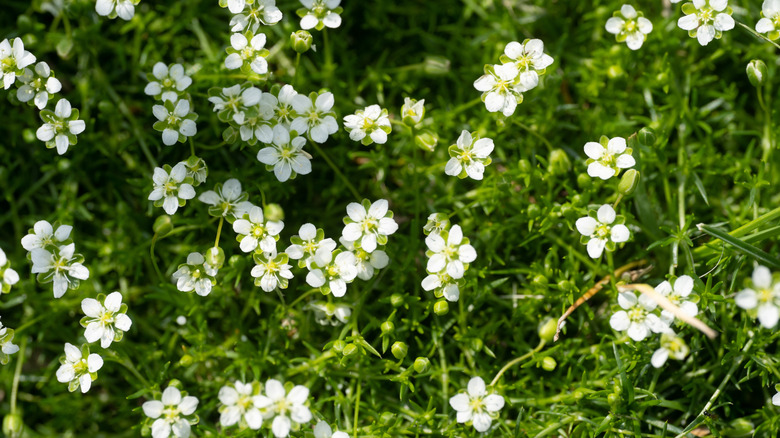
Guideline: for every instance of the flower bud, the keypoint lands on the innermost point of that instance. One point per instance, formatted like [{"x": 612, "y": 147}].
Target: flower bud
[
  {"x": 533, "y": 211},
  {"x": 426, "y": 140},
  {"x": 339, "y": 346},
  {"x": 301, "y": 41},
  {"x": 560, "y": 164},
  {"x": 397, "y": 300},
  {"x": 421, "y": 364},
  {"x": 583, "y": 180},
  {"x": 162, "y": 225},
  {"x": 412, "y": 111},
  {"x": 387, "y": 327},
  {"x": 185, "y": 360},
  {"x": 273, "y": 212},
  {"x": 646, "y": 136},
  {"x": 436, "y": 65},
  {"x": 524, "y": 166},
  {"x": 628, "y": 182},
  {"x": 756, "y": 72},
  {"x": 441, "y": 307},
  {"x": 547, "y": 329},
  {"x": 399, "y": 350},
  {"x": 215, "y": 257},
  {"x": 350, "y": 350},
  {"x": 12, "y": 425},
  {"x": 540, "y": 280},
  {"x": 548, "y": 363}
]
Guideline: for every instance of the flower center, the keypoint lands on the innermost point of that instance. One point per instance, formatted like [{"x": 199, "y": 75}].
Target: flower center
[
  {"x": 171, "y": 414},
  {"x": 332, "y": 270},
  {"x": 172, "y": 119},
  {"x": 8, "y": 64},
  {"x": 602, "y": 231},
  {"x": 368, "y": 125},
  {"x": 80, "y": 367},
  {"x": 106, "y": 318},
  {"x": 636, "y": 314},
  {"x": 524, "y": 62},
  {"x": 258, "y": 230},
  {"x": 167, "y": 83},
  {"x": 765, "y": 295},
  {"x": 247, "y": 52},
  {"x": 706, "y": 15},
  {"x": 244, "y": 402}
]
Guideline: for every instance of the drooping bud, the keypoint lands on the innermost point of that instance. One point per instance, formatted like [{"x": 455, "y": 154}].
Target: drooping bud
[
  {"x": 756, "y": 72},
  {"x": 162, "y": 225},
  {"x": 628, "y": 182}
]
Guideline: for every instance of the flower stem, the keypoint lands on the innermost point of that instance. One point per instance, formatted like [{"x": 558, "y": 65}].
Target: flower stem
[
  {"x": 751, "y": 30},
  {"x": 328, "y": 57},
  {"x": 192, "y": 146},
  {"x": 534, "y": 133},
  {"x": 517, "y": 360},
  {"x": 338, "y": 172},
  {"x": 154, "y": 260},
  {"x": 17, "y": 374},
  {"x": 219, "y": 231},
  {"x": 297, "y": 65},
  {"x": 357, "y": 409}
]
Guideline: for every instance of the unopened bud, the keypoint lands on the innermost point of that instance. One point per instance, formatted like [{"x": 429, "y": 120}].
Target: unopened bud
[
  {"x": 547, "y": 329},
  {"x": 646, "y": 137},
  {"x": 560, "y": 164},
  {"x": 412, "y": 111},
  {"x": 301, "y": 41},
  {"x": 756, "y": 72},
  {"x": 397, "y": 300},
  {"x": 387, "y": 327},
  {"x": 421, "y": 364},
  {"x": 426, "y": 140},
  {"x": 12, "y": 425},
  {"x": 215, "y": 257},
  {"x": 339, "y": 346},
  {"x": 399, "y": 350},
  {"x": 185, "y": 360},
  {"x": 350, "y": 350},
  {"x": 162, "y": 225},
  {"x": 436, "y": 65},
  {"x": 628, "y": 182},
  {"x": 548, "y": 363},
  {"x": 441, "y": 308},
  {"x": 273, "y": 212}
]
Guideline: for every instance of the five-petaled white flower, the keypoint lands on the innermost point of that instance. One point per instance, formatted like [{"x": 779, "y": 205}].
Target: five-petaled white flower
[
  {"x": 106, "y": 319},
  {"x": 285, "y": 105},
  {"x": 317, "y": 119},
  {"x": 671, "y": 346},
  {"x": 442, "y": 285},
  {"x": 39, "y": 85},
  {"x": 78, "y": 368},
  {"x": 770, "y": 21},
  {"x": 530, "y": 60},
  {"x": 369, "y": 125},
  {"x": 330, "y": 313},
  {"x": 60, "y": 127},
  {"x": 13, "y": 60},
  {"x": 175, "y": 121},
  {"x": 630, "y": 26},
  {"x": 477, "y": 406},
  {"x": 763, "y": 298},
  {"x": 706, "y": 20},
  {"x": 248, "y": 50},
  {"x": 285, "y": 408},
  {"x": 469, "y": 156},
  {"x": 678, "y": 295},
  {"x": 125, "y": 9},
  {"x": 227, "y": 200},
  {"x": 305, "y": 245},
  {"x": 43, "y": 235},
  {"x": 637, "y": 316},
  {"x": 171, "y": 191},
  {"x": 254, "y": 231},
  {"x": 320, "y": 13},
  {"x": 285, "y": 156},
  {"x": 195, "y": 275},
  {"x": 7, "y": 346},
  {"x": 253, "y": 15},
  {"x": 240, "y": 405},
  {"x": 607, "y": 157},
  {"x": 599, "y": 233},
  {"x": 8, "y": 277},
  {"x": 323, "y": 430},
  {"x": 365, "y": 262},
  {"x": 271, "y": 270},
  {"x": 501, "y": 88},
  {"x": 368, "y": 225},
  {"x": 62, "y": 267},
  {"x": 174, "y": 413},
  {"x": 331, "y": 271},
  {"x": 449, "y": 251},
  {"x": 167, "y": 83}
]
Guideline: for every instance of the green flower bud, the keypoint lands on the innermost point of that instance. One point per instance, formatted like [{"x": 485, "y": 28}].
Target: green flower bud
[
  {"x": 540, "y": 280},
  {"x": 476, "y": 344},
  {"x": 301, "y": 41},
  {"x": 350, "y": 350},
  {"x": 215, "y": 257},
  {"x": 615, "y": 71},
  {"x": 397, "y": 300},
  {"x": 548, "y": 363},
  {"x": 162, "y": 225},
  {"x": 399, "y": 350},
  {"x": 441, "y": 307},
  {"x": 583, "y": 180},
  {"x": 387, "y": 327},
  {"x": 436, "y": 65},
  {"x": 628, "y": 182},
  {"x": 12, "y": 425},
  {"x": 426, "y": 140},
  {"x": 339, "y": 346},
  {"x": 560, "y": 164},
  {"x": 646, "y": 136},
  {"x": 756, "y": 72},
  {"x": 273, "y": 212},
  {"x": 421, "y": 364},
  {"x": 614, "y": 401},
  {"x": 186, "y": 360},
  {"x": 533, "y": 211},
  {"x": 29, "y": 135},
  {"x": 547, "y": 329},
  {"x": 524, "y": 166}
]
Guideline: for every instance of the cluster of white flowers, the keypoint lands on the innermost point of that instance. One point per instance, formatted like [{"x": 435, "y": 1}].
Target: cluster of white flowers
[
  {"x": 706, "y": 20},
  {"x": 449, "y": 255},
  {"x": 250, "y": 15},
  {"x": 195, "y": 275},
  {"x": 503, "y": 85},
  {"x": 629, "y": 26},
  {"x": 319, "y": 14},
  {"x": 477, "y": 405},
  {"x": 770, "y": 19},
  {"x": 54, "y": 258},
  {"x": 175, "y": 118},
  {"x": 124, "y": 9}
]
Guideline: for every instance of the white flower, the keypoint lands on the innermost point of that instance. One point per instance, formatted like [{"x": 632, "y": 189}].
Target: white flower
[
  {"x": 7, "y": 347},
  {"x": 235, "y": 6},
  {"x": 637, "y": 317},
  {"x": 316, "y": 119},
  {"x": 254, "y": 231},
  {"x": 79, "y": 368},
  {"x": 106, "y": 319},
  {"x": 330, "y": 313},
  {"x": 284, "y": 408},
  {"x": 60, "y": 127},
  {"x": 232, "y": 103},
  {"x": 368, "y": 225},
  {"x": 13, "y": 60},
  {"x": 449, "y": 251},
  {"x": 62, "y": 267},
  {"x": 530, "y": 60},
  {"x": 227, "y": 200},
  {"x": 437, "y": 222},
  {"x": 683, "y": 287},
  {"x": 770, "y": 21},
  {"x": 412, "y": 111},
  {"x": 320, "y": 13},
  {"x": 255, "y": 14},
  {"x": 607, "y": 157},
  {"x": 167, "y": 83},
  {"x": 38, "y": 86},
  {"x": 369, "y": 125},
  {"x": 501, "y": 88},
  {"x": 600, "y": 234},
  {"x": 469, "y": 156},
  {"x": 8, "y": 277},
  {"x": 306, "y": 244},
  {"x": 365, "y": 262},
  {"x": 174, "y": 413},
  {"x": 196, "y": 169},
  {"x": 271, "y": 270},
  {"x": 706, "y": 19},
  {"x": 195, "y": 275},
  {"x": 776, "y": 398},
  {"x": 323, "y": 430},
  {"x": 630, "y": 26},
  {"x": 763, "y": 299},
  {"x": 285, "y": 156},
  {"x": 43, "y": 235},
  {"x": 477, "y": 405},
  {"x": 671, "y": 346},
  {"x": 239, "y": 405},
  {"x": 112, "y": 8},
  {"x": 442, "y": 285},
  {"x": 170, "y": 191},
  {"x": 175, "y": 122},
  {"x": 285, "y": 105},
  {"x": 248, "y": 50},
  {"x": 330, "y": 273}
]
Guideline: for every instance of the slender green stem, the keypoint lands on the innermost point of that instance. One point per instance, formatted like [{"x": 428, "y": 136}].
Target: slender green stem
[
  {"x": 219, "y": 231},
  {"x": 297, "y": 66},
  {"x": 517, "y": 360},
  {"x": 154, "y": 260},
  {"x": 617, "y": 201},
  {"x": 534, "y": 133},
  {"x": 751, "y": 30},
  {"x": 192, "y": 146},
  {"x": 337, "y": 171},
  {"x": 681, "y": 156},
  {"x": 17, "y": 374},
  {"x": 357, "y": 409}
]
